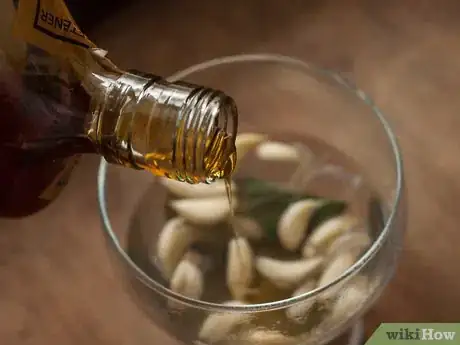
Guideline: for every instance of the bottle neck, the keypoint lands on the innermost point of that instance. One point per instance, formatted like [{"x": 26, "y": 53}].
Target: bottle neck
[{"x": 178, "y": 130}]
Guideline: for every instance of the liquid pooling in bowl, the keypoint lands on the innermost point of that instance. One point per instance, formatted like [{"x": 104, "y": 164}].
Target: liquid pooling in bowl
[{"x": 301, "y": 218}]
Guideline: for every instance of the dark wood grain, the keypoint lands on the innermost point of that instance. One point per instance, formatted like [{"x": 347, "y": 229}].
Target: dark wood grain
[{"x": 56, "y": 282}]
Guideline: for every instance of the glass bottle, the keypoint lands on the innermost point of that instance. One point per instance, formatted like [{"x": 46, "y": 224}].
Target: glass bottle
[{"x": 60, "y": 97}]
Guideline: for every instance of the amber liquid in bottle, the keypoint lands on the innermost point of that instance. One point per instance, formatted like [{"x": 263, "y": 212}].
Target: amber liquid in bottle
[{"x": 50, "y": 115}]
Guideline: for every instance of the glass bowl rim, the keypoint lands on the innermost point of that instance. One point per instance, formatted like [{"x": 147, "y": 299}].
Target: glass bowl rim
[{"x": 280, "y": 304}]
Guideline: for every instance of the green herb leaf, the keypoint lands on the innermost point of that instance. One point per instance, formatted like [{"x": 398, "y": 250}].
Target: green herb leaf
[{"x": 265, "y": 203}]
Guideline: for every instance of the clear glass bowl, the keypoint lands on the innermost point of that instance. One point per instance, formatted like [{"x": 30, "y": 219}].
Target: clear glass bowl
[{"x": 285, "y": 98}]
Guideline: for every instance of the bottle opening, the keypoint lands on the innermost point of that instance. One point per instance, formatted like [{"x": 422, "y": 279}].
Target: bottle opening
[{"x": 205, "y": 138}]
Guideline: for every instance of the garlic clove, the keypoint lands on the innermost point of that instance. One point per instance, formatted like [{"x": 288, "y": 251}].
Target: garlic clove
[
  {"x": 351, "y": 298},
  {"x": 240, "y": 267},
  {"x": 247, "y": 141},
  {"x": 276, "y": 151},
  {"x": 247, "y": 227},
  {"x": 293, "y": 223},
  {"x": 326, "y": 232},
  {"x": 352, "y": 241},
  {"x": 289, "y": 273},
  {"x": 206, "y": 211},
  {"x": 173, "y": 241},
  {"x": 298, "y": 312},
  {"x": 267, "y": 337},
  {"x": 199, "y": 190},
  {"x": 333, "y": 270},
  {"x": 186, "y": 280},
  {"x": 308, "y": 251},
  {"x": 217, "y": 326}
]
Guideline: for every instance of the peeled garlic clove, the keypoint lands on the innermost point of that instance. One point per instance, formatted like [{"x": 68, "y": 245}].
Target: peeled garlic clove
[
  {"x": 199, "y": 190},
  {"x": 218, "y": 326},
  {"x": 247, "y": 227},
  {"x": 267, "y": 337},
  {"x": 286, "y": 274},
  {"x": 308, "y": 251},
  {"x": 240, "y": 267},
  {"x": 206, "y": 211},
  {"x": 173, "y": 240},
  {"x": 333, "y": 270},
  {"x": 293, "y": 223},
  {"x": 327, "y": 232},
  {"x": 276, "y": 151},
  {"x": 186, "y": 280},
  {"x": 353, "y": 241},
  {"x": 299, "y": 311},
  {"x": 247, "y": 141},
  {"x": 351, "y": 298}
]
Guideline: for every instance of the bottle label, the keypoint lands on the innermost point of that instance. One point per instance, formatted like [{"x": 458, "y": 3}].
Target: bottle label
[
  {"x": 53, "y": 41},
  {"x": 49, "y": 25},
  {"x": 65, "y": 56}
]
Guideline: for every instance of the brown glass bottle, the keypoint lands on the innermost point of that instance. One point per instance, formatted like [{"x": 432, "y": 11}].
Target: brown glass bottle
[{"x": 50, "y": 115}]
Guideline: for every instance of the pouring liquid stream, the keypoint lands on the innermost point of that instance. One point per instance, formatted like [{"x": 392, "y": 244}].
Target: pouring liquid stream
[{"x": 229, "y": 191}]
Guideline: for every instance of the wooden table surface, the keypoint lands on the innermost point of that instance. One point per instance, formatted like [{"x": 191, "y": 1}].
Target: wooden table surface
[{"x": 56, "y": 282}]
